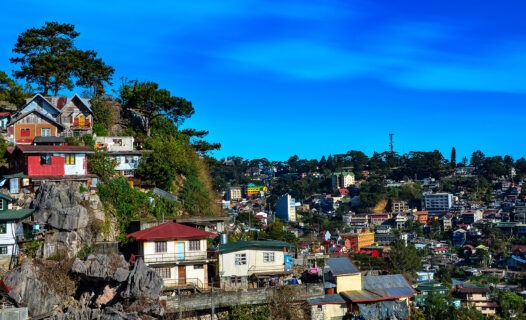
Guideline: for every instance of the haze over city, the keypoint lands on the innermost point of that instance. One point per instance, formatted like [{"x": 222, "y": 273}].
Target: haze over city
[{"x": 277, "y": 78}]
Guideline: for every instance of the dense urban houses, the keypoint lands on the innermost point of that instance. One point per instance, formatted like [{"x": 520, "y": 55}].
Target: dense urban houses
[
  {"x": 255, "y": 263},
  {"x": 178, "y": 253}
]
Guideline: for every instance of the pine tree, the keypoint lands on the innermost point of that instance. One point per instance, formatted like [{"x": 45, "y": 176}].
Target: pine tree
[{"x": 453, "y": 157}]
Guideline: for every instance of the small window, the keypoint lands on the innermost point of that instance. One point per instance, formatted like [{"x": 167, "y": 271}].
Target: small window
[
  {"x": 3, "y": 250},
  {"x": 195, "y": 245},
  {"x": 163, "y": 272},
  {"x": 160, "y": 246},
  {"x": 241, "y": 259},
  {"x": 1, "y": 204},
  {"x": 235, "y": 280},
  {"x": 70, "y": 159},
  {"x": 268, "y": 257},
  {"x": 45, "y": 159},
  {"x": 3, "y": 228},
  {"x": 198, "y": 266},
  {"x": 25, "y": 132},
  {"x": 45, "y": 132}
]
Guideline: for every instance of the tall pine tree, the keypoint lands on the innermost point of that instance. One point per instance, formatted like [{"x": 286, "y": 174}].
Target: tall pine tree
[{"x": 453, "y": 157}]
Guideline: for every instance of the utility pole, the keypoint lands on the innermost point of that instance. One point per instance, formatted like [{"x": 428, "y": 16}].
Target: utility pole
[{"x": 213, "y": 315}]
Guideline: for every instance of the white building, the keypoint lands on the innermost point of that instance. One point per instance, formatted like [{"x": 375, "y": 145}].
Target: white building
[
  {"x": 286, "y": 208},
  {"x": 437, "y": 204},
  {"x": 121, "y": 151},
  {"x": 240, "y": 262},
  {"x": 342, "y": 179}
]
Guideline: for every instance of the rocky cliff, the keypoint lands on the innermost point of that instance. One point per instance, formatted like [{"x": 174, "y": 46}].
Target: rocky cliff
[{"x": 56, "y": 284}]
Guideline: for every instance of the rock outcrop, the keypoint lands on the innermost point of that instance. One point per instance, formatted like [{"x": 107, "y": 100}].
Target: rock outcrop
[{"x": 27, "y": 289}]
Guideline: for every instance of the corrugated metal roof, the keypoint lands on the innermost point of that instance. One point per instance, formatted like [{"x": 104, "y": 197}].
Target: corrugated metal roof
[
  {"x": 342, "y": 266},
  {"x": 52, "y": 149},
  {"x": 328, "y": 299},
  {"x": 388, "y": 285},
  {"x": 263, "y": 244},
  {"x": 169, "y": 231},
  {"x": 15, "y": 215}
]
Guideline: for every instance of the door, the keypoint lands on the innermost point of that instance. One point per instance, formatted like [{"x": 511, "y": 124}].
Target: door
[
  {"x": 180, "y": 251},
  {"x": 181, "y": 272}
]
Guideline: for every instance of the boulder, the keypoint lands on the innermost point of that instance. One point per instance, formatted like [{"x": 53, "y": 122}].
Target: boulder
[
  {"x": 103, "y": 267},
  {"x": 56, "y": 242},
  {"x": 28, "y": 290},
  {"x": 143, "y": 283}
]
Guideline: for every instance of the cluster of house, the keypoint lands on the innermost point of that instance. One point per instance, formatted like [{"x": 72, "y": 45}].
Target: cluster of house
[
  {"x": 187, "y": 258},
  {"x": 39, "y": 151}
]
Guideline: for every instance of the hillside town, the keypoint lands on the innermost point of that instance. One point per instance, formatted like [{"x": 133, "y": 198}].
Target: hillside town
[{"x": 455, "y": 245}]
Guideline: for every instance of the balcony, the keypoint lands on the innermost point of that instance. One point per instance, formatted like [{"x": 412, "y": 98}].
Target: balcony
[{"x": 165, "y": 258}]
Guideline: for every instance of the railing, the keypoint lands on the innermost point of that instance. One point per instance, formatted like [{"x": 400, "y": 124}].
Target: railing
[
  {"x": 187, "y": 283},
  {"x": 174, "y": 257},
  {"x": 266, "y": 269}
]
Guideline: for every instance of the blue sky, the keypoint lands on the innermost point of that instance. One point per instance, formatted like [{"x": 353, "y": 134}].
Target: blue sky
[{"x": 311, "y": 78}]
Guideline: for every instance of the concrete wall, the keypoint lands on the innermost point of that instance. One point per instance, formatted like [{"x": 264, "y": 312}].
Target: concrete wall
[
  {"x": 250, "y": 296},
  {"x": 14, "y": 314}
]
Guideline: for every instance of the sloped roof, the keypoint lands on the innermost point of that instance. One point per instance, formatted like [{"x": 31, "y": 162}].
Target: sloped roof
[
  {"x": 169, "y": 231},
  {"x": 40, "y": 114},
  {"x": 51, "y": 149},
  {"x": 342, "y": 266},
  {"x": 15, "y": 215},
  {"x": 384, "y": 287},
  {"x": 256, "y": 244},
  {"x": 6, "y": 197}
]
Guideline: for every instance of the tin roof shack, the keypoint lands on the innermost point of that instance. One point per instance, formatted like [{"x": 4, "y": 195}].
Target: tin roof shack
[{"x": 381, "y": 297}]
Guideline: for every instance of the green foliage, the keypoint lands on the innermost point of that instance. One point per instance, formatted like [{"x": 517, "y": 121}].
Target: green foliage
[
  {"x": 129, "y": 204},
  {"x": 10, "y": 91},
  {"x": 405, "y": 260},
  {"x": 511, "y": 305},
  {"x": 101, "y": 165},
  {"x": 171, "y": 156},
  {"x": 88, "y": 140},
  {"x": 84, "y": 252},
  {"x": 31, "y": 248},
  {"x": 250, "y": 312},
  {"x": 105, "y": 113},
  {"x": 99, "y": 130},
  {"x": 195, "y": 197},
  {"x": 49, "y": 59},
  {"x": 3, "y": 149},
  {"x": 147, "y": 101}
]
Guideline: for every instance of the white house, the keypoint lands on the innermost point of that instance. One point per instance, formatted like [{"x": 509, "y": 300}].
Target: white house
[
  {"x": 176, "y": 252},
  {"x": 253, "y": 261},
  {"x": 121, "y": 151}
]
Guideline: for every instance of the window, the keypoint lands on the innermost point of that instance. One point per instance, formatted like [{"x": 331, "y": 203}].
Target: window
[
  {"x": 268, "y": 257},
  {"x": 163, "y": 272},
  {"x": 3, "y": 228},
  {"x": 160, "y": 246},
  {"x": 25, "y": 132},
  {"x": 3, "y": 250},
  {"x": 1, "y": 204},
  {"x": 45, "y": 132},
  {"x": 241, "y": 259},
  {"x": 45, "y": 159},
  {"x": 195, "y": 245},
  {"x": 198, "y": 266},
  {"x": 235, "y": 280},
  {"x": 70, "y": 158}
]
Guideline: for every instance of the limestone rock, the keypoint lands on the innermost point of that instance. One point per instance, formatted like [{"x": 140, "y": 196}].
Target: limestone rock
[
  {"x": 103, "y": 267},
  {"x": 28, "y": 290},
  {"x": 143, "y": 282},
  {"x": 70, "y": 219}
]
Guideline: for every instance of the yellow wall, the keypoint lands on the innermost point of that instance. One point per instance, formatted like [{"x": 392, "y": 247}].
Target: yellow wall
[{"x": 349, "y": 282}]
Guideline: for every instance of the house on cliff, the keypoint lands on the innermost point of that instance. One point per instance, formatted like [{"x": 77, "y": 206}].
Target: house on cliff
[
  {"x": 176, "y": 252},
  {"x": 50, "y": 116}
]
